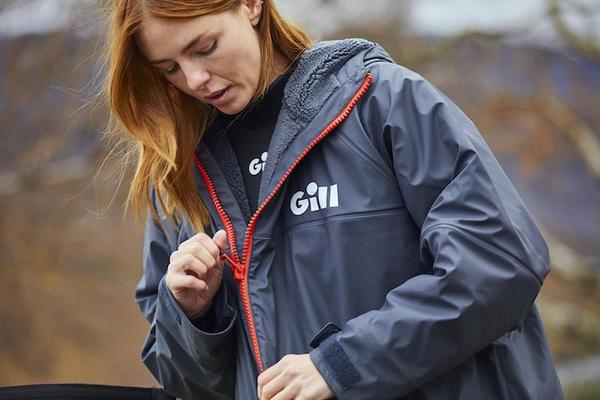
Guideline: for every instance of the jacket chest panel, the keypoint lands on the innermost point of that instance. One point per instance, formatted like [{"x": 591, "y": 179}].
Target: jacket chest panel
[
  {"x": 336, "y": 180},
  {"x": 337, "y": 226}
]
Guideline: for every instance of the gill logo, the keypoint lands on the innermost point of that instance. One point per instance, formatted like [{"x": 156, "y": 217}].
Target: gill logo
[
  {"x": 320, "y": 197},
  {"x": 258, "y": 164}
]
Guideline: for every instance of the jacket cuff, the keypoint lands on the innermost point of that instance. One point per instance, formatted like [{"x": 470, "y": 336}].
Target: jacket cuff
[
  {"x": 207, "y": 332},
  {"x": 218, "y": 316},
  {"x": 335, "y": 366}
]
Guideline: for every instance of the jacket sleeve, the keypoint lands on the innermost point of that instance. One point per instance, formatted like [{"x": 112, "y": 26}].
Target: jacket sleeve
[
  {"x": 487, "y": 257},
  {"x": 190, "y": 359}
]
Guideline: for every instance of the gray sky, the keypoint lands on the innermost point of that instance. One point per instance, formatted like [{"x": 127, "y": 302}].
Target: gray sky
[
  {"x": 447, "y": 17},
  {"x": 427, "y": 17}
]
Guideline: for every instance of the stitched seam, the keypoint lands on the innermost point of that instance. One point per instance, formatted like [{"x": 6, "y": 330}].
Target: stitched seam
[
  {"x": 345, "y": 216},
  {"x": 493, "y": 249},
  {"x": 348, "y": 142}
]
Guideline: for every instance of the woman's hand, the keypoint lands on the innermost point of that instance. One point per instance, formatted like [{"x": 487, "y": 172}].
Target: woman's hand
[
  {"x": 293, "y": 377},
  {"x": 195, "y": 272}
]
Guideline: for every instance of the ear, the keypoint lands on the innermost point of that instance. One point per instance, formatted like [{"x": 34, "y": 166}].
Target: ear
[{"x": 254, "y": 10}]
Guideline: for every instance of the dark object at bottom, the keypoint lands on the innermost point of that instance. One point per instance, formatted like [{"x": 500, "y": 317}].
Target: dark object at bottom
[{"x": 77, "y": 391}]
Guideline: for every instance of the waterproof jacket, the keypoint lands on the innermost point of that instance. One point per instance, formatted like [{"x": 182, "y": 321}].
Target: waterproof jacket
[{"x": 382, "y": 211}]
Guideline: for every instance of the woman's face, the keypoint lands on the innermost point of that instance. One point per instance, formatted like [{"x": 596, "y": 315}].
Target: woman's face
[{"x": 214, "y": 58}]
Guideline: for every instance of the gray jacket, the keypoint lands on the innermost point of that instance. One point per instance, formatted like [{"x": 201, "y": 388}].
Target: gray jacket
[{"x": 383, "y": 213}]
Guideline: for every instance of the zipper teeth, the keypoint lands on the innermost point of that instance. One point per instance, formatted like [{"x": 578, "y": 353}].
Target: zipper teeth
[
  {"x": 247, "y": 251},
  {"x": 224, "y": 218},
  {"x": 250, "y": 319},
  {"x": 243, "y": 283}
]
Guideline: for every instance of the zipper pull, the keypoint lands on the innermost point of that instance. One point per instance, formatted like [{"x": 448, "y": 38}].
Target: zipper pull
[{"x": 236, "y": 268}]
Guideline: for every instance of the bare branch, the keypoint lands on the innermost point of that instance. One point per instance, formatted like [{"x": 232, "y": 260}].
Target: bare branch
[
  {"x": 555, "y": 112},
  {"x": 575, "y": 40}
]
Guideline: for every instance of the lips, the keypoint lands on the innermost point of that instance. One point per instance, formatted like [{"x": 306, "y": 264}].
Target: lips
[{"x": 216, "y": 95}]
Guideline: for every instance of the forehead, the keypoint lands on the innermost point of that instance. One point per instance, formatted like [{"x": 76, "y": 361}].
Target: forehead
[{"x": 158, "y": 37}]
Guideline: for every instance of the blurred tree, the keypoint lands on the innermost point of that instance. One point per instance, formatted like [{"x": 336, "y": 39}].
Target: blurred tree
[{"x": 586, "y": 42}]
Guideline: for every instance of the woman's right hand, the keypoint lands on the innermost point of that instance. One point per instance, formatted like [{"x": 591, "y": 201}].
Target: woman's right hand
[{"x": 195, "y": 272}]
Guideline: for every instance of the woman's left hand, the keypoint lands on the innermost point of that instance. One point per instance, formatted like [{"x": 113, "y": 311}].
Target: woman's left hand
[{"x": 293, "y": 377}]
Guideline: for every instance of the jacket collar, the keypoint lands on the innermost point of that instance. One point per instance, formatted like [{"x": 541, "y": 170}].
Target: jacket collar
[{"x": 310, "y": 86}]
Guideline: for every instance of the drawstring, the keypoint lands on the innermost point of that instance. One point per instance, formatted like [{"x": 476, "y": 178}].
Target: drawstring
[{"x": 236, "y": 268}]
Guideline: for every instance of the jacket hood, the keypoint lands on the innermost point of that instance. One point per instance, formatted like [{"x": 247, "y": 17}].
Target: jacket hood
[{"x": 309, "y": 87}]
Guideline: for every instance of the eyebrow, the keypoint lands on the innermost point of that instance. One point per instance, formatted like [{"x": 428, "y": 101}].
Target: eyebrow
[{"x": 191, "y": 44}]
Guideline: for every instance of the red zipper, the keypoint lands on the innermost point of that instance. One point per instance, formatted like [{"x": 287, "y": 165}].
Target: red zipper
[{"x": 240, "y": 266}]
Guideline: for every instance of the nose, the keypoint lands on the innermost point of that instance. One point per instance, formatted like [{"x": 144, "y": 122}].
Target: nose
[{"x": 196, "y": 77}]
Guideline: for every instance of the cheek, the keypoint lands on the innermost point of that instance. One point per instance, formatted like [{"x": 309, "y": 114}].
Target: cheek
[
  {"x": 180, "y": 83},
  {"x": 247, "y": 57},
  {"x": 252, "y": 72},
  {"x": 256, "y": 59}
]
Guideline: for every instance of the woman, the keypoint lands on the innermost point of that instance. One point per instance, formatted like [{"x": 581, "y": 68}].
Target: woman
[{"x": 366, "y": 245}]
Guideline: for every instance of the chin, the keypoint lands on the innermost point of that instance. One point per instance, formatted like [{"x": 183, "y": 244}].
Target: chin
[
  {"x": 229, "y": 110},
  {"x": 233, "y": 108}
]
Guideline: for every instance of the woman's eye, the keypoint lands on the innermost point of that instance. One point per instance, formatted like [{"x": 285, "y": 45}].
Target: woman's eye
[
  {"x": 208, "y": 50},
  {"x": 172, "y": 70}
]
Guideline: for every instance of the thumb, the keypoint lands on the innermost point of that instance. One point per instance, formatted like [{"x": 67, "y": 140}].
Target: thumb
[{"x": 220, "y": 239}]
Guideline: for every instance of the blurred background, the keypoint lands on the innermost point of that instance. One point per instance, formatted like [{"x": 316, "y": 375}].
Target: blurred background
[{"x": 526, "y": 71}]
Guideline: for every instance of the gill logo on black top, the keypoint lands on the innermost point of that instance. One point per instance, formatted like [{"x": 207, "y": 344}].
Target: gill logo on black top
[
  {"x": 320, "y": 197},
  {"x": 258, "y": 164}
]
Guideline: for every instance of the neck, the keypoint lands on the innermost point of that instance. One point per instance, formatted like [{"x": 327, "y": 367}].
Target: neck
[{"x": 279, "y": 65}]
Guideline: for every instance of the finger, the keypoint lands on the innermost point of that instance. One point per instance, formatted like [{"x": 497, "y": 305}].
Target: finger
[
  {"x": 202, "y": 254},
  {"x": 220, "y": 239},
  {"x": 288, "y": 393},
  {"x": 205, "y": 241},
  {"x": 197, "y": 237},
  {"x": 274, "y": 386},
  {"x": 188, "y": 262},
  {"x": 174, "y": 256},
  {"x": 267, "y": 375},
  {"x": 183, "y": 281}
]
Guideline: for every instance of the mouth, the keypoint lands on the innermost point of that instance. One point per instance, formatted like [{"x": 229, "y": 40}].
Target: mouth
[{"x": 217, "y": 95}]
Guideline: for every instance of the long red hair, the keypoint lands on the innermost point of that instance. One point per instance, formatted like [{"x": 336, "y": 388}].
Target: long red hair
[{"x": 160, "y": 124}]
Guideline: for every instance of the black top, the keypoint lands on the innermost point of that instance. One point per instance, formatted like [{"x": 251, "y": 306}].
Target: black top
[{"x": 250, "y": 133}]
